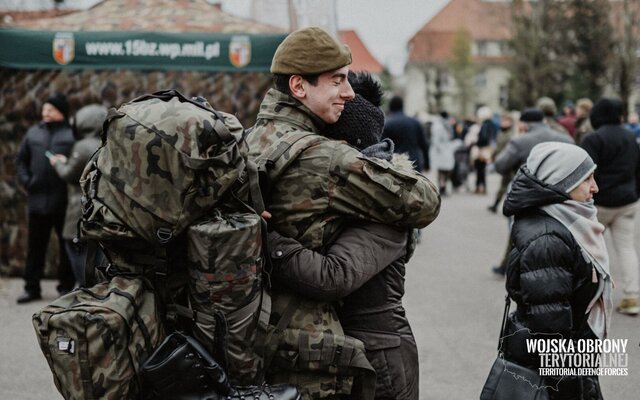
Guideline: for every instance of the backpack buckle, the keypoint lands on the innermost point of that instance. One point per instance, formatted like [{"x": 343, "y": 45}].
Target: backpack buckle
[{"x": 164, "y": 235}]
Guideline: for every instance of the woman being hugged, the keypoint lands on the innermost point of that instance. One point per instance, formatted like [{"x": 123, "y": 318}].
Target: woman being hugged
[{"x": 558, "y": 273}]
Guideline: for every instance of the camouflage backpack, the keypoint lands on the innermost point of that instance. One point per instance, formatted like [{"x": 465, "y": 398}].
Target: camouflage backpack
[
  {"x": 166, "y": 199},
  {"x": 165, "y": 162},
  {"x": 93, "y": 337}
]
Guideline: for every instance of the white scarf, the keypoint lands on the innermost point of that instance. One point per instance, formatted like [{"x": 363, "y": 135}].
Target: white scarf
[{"x": 581, "y": 220}]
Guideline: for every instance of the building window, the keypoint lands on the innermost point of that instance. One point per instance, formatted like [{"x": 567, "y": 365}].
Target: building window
[
  {"x": 482, "y": 48},
  {"x": 504, "y": 96},
  {"x": 505, "y": 48},
  {"x": 481, "y": 79},
  {"x": 444, "y": 79}
]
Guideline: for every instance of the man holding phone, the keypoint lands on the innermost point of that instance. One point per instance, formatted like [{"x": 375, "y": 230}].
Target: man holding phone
[{"x": 47, "y": 194}]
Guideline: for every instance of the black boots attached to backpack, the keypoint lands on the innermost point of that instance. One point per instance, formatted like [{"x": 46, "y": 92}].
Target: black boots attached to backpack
[{"x": 182, "y": 369}]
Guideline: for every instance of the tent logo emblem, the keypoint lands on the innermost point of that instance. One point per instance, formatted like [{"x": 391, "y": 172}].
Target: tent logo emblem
[
  {"x": 240, "y": 51},
  {"x": 63, "y": 47}
]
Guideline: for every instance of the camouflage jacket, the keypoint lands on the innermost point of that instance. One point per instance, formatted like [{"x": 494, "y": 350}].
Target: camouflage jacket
[
  {"x": 313, "y": 187},
  {"x": 330, "y": 179}
]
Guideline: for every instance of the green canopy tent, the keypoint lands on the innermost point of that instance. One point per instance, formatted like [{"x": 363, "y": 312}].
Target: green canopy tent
[
  {"x": 187, "y": 51},
  {"x": 111, "y": 53}
]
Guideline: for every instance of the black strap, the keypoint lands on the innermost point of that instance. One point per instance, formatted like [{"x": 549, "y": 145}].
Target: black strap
[
  {"x": 503, "y": 327},
  {"x": 85, "y": 366},
  {"x": 90, "y": 264},
  {"x": 272, "y": 340},
  {"x": 146, "y": 335},
  {"x": 266, "y": 165},
  {"x": 254, "y": 187}
]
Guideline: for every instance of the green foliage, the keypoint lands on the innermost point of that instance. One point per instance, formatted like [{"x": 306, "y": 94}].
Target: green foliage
[
  {"x": 591, "y": 47},
  {"x": 462, "y": 69},
  {"x": 538, "y": 67},
  {"x": 560, "y": 49},
  {"x": 626, "y": 60}
]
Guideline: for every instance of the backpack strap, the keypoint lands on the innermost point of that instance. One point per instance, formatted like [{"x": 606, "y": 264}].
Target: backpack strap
[
  {"x": 273, "y": 165},
  {"x": 272, "y": 337},
  {"x": 90, "y": 263},
  {"x": 254, "y": 187}
]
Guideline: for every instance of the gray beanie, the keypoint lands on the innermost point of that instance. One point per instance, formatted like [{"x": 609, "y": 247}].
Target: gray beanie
[{"x": 562, "y": 165}]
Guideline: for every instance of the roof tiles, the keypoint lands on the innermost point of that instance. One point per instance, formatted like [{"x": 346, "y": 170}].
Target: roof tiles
[
  {"x": 150, "y": 15},
  {"x": 484, "y": 20}
]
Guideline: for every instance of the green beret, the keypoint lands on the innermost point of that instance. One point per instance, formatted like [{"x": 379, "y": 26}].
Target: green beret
[{"x": 309, "y": 51}]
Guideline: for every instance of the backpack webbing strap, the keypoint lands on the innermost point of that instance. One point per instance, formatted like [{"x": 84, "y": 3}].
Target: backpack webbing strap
[
  {"x": 221, "y": 129},
  {"x": 265, "y": 309},
  {"x": 85, "y": 367},
  {"x": 254, "y": 187},
  {"x": 146, "y": 335},
  {"x": 273, "y": 338},
  {"x": 282, "y": 148},
  {"x": 161, "y": 287},
  {"x": 197, "y": 316},
  {"x": 266, "y": 165},
  {"x": 90, "y": 263}
]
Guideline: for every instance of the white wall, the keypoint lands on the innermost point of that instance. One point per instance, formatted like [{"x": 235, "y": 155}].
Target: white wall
[
  {"x": 415, "y": 89},
  {"x": 487, "y": 90}
]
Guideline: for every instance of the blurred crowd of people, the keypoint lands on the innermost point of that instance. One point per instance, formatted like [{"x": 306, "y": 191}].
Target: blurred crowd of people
[
  {"x": 452, "y": 148},
  {"x": 502, "y": 143}
]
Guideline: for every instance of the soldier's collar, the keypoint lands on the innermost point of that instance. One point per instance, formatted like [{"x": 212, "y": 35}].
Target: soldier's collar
[{"x": 275, "y": 101}]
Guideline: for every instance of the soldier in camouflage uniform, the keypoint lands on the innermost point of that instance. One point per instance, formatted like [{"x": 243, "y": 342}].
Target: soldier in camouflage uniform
[
  {"x": 363, "y": 270},
  {"x": 314, "y": 185}
]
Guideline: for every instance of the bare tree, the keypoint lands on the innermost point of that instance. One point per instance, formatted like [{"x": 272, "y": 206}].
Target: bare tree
[
  {"x": 538, "y": 66},
  {"x": 562, "y": 49},
  {"x": 462, "y": 69},
  {"x": 589, "y": 48},
  {"x": 626, "y": 52}
]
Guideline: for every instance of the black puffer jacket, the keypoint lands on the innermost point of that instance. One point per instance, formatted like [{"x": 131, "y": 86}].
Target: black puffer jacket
[
  {"x": 47, "y": 192},
  {"x": 549, "y": 279}
]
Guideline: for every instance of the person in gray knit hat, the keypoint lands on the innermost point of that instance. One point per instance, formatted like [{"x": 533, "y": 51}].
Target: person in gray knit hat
[
  {"x": 558, "y": 271},
  {"x": 564, "y": 166}
]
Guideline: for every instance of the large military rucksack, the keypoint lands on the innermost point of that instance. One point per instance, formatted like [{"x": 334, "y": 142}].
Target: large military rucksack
[{"x": 166, "y": 199}]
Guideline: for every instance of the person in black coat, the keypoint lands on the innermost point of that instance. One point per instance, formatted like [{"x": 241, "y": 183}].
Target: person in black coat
[
  {"x": 47, "y": 194},
  {"x": 558, "y": 272},
  {"x": 406, "y": 133},
  {"x": 615, "y": 151}
]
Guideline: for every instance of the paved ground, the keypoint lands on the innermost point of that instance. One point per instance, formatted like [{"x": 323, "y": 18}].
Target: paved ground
[{"x": 453, "y": 300}]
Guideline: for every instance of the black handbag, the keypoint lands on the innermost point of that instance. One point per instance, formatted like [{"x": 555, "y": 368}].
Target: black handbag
[
  {"x": 182, "y": 369},
  {"x": 510, "y": 381}
]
